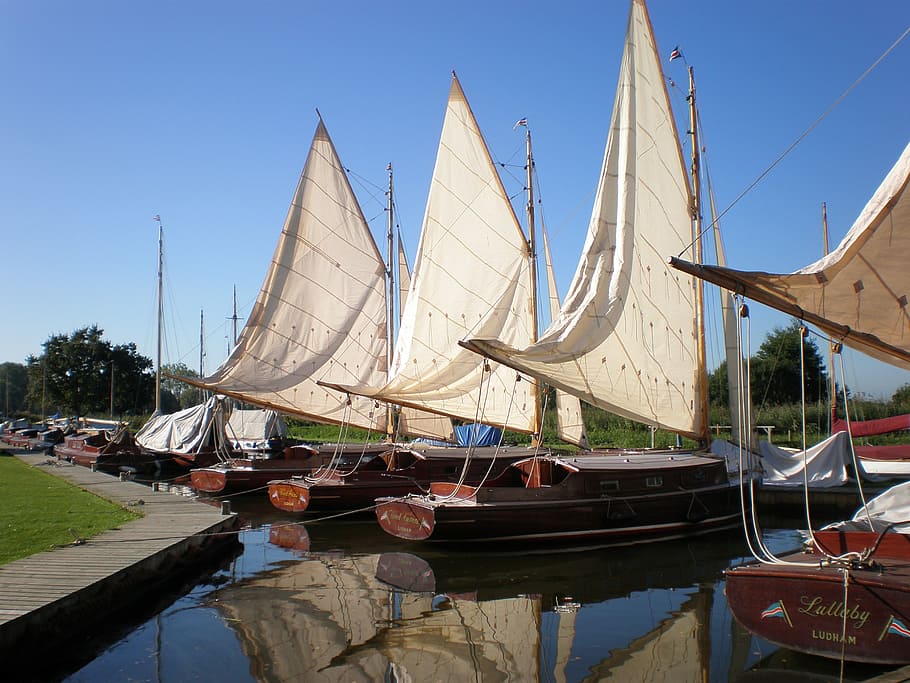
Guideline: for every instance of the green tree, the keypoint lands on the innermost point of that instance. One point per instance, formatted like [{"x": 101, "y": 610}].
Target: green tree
[
  {"x": 776, "y": 373},
  {"x": 82, "y": 374},
  {"x": 14, "y": 379},
  {"x": 185, "y": 394}
]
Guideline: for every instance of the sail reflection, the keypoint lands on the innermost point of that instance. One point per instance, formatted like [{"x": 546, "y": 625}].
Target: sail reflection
[{"x": 401, "y": 615}]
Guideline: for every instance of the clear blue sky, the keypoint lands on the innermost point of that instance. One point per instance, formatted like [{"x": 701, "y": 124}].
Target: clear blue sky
[{"x": 203, "y": 111}]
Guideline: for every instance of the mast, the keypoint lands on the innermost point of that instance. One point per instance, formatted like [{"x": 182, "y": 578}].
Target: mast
[
  {"x": 390, "y": 294},
  {"x": 699, "y": 258},
  {"x": 160, "y": 315},
  {"x": 234, "y": 317},
  {"x": 532, "y": 256},
  {"x": 201, "y": 342},
  {"x": 832, "y": 387}
]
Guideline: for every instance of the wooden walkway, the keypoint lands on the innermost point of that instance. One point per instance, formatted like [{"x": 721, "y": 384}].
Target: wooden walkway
[{"x": 67, "y": 588}]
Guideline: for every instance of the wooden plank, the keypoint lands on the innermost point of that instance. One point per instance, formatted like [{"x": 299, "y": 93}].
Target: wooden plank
[{"x": 47, "y": 585}]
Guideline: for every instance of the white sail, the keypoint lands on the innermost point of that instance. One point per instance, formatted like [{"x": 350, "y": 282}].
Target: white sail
[
  {"x": 858, "y": 293},
  {"x": 470, "y": 276},
  {"x": 321, "y": 311},
  {"x": 570, "y": 426},
  {"x": 404, "y": 277},
  {"x": 626, "y": 337}
]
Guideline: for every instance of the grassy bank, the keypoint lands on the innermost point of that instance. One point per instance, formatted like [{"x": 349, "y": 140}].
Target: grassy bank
[{"x": 39, "y": 511}]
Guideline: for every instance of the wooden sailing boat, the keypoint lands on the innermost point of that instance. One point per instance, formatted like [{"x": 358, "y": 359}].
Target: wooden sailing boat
[
  {"x": 847, "y": 594},
  {"x": 490, "y": 280},
  {"x": 626, "y": 339},
  {"x": 321, "y": 314}
]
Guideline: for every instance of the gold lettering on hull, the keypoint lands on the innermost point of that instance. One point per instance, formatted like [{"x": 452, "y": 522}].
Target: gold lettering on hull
[{"x": 818, "y": 607}]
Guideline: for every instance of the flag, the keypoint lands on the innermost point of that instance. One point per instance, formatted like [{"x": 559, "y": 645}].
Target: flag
[
  {"x": 896, "y": 627},
  {"x": 520, "y": 122},
  {"x": 776, "y": 610},
  {"x": 675, "y": 54},
  {"x": 157, "y": 218}
]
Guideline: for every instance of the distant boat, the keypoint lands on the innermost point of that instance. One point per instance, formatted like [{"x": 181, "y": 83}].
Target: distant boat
[
  {"x": 627, "y": 339},
  {"x": 847, "y": 594}
]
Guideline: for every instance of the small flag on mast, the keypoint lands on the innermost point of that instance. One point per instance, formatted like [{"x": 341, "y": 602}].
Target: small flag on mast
[
  {"x": 157, "y": 218},
  {"x": 676, "y": 54},
  {"x": 520, "y": 122}
]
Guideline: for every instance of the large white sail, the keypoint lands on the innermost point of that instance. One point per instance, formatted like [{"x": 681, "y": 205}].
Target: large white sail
[
  {"x": 859, "y": 293},
  {"x": 626, "y": 337},
  {"x": 321, "y": 311},
  {"x": 570, "y": 425},
  {"x": 470, "y": 275}
]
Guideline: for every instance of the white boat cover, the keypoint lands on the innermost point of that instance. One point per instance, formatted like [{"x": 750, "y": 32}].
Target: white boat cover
[
  {"x": 186, "y": 431},
  {"x": 859, "y": 293},
  {"x": 626, "y": 337},
  {"x": 470, "y": 275},
  {"x": 890, "y": 507},
  {"x": 826, "y": 462},
  {"x": 253, "y": 428}
]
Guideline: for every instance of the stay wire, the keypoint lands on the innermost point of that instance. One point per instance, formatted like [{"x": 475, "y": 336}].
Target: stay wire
[{"x": 806, "y": 132}]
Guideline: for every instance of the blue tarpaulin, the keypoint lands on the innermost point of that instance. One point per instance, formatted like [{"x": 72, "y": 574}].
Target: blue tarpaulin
[{"x": 483, "y": 435}]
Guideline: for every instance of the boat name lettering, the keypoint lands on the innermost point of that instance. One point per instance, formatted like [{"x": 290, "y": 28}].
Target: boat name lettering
[
  {"x": 817, "y": 607},
  {"x": 833, "y": 637}
]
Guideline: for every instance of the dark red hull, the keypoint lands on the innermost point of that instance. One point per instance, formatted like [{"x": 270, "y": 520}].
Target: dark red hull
[
  {"x": 405, "y": 472},
  {"x": 239, "y": 475},
  {"x": 602, "y": 500},
  {"x": 860, "y": 615}
]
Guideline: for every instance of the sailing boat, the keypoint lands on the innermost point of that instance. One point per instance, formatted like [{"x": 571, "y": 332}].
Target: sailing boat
[
  {"x": 320, "y": 315},
  {"x": 472, "y": 264},
  {"x": 846, "y": 595},
  {"x": 626, "y": 339}
]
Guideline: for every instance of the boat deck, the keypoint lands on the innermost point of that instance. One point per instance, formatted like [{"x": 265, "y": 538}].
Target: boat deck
[{"x": 60, "y": 591}]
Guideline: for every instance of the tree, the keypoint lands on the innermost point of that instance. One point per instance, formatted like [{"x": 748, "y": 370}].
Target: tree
[
  {"x": 185, "y": 395},
  {"x": 14, "y": 379},
  {"x": 82, "y": 373},
  {"x": 776, "y": 373}
]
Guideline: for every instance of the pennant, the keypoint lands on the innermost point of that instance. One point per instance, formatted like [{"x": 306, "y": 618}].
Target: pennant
[
  {"x": 520, "y": 122},
  {"x": 776, "y": 610},
  {"x": 897, "y": 627},
  {"x": 676, "y": 54}
]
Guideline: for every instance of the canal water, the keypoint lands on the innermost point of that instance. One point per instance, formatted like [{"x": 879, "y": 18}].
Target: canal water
[{"x": 341, "y": 601}]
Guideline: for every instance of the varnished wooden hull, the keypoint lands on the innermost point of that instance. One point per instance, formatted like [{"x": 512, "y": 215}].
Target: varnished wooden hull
[
  {"x": 386, "y": 477},
  {"x": 862, "y": 615},
  {"x": 239, "y": 475},
  {"x": 584, "y": 507}
]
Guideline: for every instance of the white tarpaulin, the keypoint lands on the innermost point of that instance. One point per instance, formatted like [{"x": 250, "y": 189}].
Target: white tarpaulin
[
  {"x": 185, "y": 431},
  {"x": 890, "y": 507},
  {"x": 253, "y": 428},
  {"x": 826, "y": 463}
]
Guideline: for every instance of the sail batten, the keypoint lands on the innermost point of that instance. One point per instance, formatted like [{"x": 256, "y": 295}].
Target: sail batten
[{"x": 625, "y": 338}]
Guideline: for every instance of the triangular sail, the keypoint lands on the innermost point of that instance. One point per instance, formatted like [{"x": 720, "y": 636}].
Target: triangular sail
[
  {"x": 320, "y": 313},
  {"x": 470, "y": 276},
  {"x": 859, "y": 293},
  {"x": 625, "y": 339},
  {"x": 570, "y": 426},
  {"x": 404, "y": 278}
]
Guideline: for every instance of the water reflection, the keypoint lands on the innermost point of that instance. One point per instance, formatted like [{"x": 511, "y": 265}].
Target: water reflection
[{"x": 342, "y": 601}]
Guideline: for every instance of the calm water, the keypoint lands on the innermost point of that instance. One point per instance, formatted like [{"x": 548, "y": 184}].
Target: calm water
[{"x": 342, "y": 601}]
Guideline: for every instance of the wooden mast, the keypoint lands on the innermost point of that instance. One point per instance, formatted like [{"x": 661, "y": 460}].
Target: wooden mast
[
  {"x": 390, "y": 296},
  {"x": 699, "y": 258},
  {"x": 160, "y": 316},
  {"x": 532, "y": 256}
]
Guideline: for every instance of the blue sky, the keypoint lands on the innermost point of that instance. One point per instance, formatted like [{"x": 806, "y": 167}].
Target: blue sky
[{"x": 202, "y": 112}]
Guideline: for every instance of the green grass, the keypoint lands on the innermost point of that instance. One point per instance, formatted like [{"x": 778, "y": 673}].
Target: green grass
[{"x": 39, "y": 511}]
